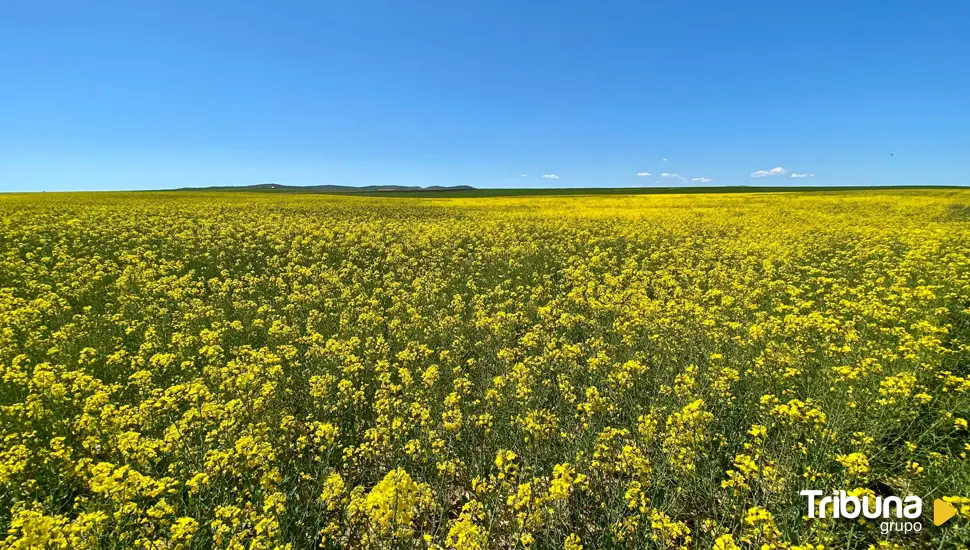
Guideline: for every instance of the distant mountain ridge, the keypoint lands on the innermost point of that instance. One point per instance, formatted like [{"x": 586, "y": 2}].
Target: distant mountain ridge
[
  {"x": 329, "y": 188},
  {"x": 467, "y": 191}
]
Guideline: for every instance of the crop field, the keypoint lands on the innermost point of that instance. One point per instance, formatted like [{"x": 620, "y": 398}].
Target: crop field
[{"x": 231, "y": 370}]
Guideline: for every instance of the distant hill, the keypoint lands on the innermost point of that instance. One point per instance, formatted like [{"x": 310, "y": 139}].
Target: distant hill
[
  {"x": 279, "y": 188},
  {"x": 468, "y": 191}
]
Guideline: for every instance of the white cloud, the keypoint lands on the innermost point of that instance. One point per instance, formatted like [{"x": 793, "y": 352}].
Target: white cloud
[
  {"x": 525, "y": 175},
  {"x": 643, "y": 173},
  {"x": 777, "y": 171},
  {"x": 794, "y": 175},
  {"x": 665, "y": 159},
  {"x": 671, "y": 175},
  {"x": 550, "y": 176},
  {"x": 702, "y": 180}
]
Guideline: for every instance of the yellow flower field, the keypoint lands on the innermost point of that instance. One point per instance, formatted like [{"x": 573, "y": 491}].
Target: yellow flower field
[{"x": 184, "y": 370}]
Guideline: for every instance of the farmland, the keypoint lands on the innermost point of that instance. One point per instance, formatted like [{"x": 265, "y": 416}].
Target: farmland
[{"x": 240, "y": 370}]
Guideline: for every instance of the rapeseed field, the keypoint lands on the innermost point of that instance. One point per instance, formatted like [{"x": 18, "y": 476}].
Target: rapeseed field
[{"x": 191, "y": 370}]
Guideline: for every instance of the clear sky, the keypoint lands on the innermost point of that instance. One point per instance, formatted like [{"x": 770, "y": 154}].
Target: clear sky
[{"x": 169, "y": 93}]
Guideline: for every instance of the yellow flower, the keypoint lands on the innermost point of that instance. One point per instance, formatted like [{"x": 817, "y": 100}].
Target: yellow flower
[
  {"x": 725, "y": 542},
  {"x": 395, "y": 503},
  {"x": 855, "y": 463},
  {"x": 572, "y": 542},
  {"x": 183, "y": 530}
]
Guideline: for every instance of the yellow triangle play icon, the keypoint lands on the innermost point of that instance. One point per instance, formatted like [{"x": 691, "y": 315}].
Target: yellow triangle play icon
[{"x": 942, "y": 512}]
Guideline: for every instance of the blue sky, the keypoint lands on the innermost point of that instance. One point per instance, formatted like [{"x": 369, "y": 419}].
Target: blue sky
[{"x": 158, "y": 94}]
